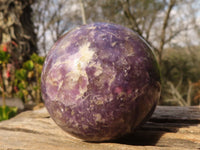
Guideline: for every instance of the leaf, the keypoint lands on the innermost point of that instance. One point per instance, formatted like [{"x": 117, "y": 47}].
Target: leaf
[
  {"x": 20, "y": 94},
  {"x": 21, "y": 85},
  {"x": 28, "y": 65},
  {"x": 4, "y": 57},
  {"x": 37, "y": 59},
  {"x": 21, "y": 74},
  {"x": 35, "y": 88},
  {"x": 39, "y": 68},
  {"x": 7, "y": 112}
]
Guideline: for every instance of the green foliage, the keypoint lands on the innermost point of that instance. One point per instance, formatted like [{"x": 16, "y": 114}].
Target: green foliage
[
  {"x": 27, "y": 79},
  {"x": 7, "y": 112},
  {"x": 178, "y": 65},
  {"x": 37, "y": 59},
  {"x": 21, "y": 74},
  {"x": 180, "y": 69},
  {"x": 4, "y": 57},
  {"x": 28, "y": 65}
]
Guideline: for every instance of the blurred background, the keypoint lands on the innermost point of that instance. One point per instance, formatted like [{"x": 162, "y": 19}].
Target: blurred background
[{"x": 28, "y": 29}]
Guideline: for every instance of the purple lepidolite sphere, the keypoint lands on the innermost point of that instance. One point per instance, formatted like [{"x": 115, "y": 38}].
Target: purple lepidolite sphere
[{"x": 100, "y": 82}]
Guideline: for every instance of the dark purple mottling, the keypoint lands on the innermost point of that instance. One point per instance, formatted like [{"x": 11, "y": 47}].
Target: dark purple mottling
[{"x": 100, "y": 82}]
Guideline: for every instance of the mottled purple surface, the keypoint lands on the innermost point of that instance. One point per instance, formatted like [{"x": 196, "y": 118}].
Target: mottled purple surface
[{"x": 100, "y": 81}]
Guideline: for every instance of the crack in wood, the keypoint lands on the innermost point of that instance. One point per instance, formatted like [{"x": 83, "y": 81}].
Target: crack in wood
[{"x": 20, "y": 130}]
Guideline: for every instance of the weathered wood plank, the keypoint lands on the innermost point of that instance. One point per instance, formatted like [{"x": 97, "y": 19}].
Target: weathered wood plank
[
  {"x": 169, "y": 128},
  {"x": 176, "y": 113}
]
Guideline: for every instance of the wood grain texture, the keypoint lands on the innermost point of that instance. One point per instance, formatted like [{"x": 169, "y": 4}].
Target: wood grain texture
[{"x": 170, "y": 128}]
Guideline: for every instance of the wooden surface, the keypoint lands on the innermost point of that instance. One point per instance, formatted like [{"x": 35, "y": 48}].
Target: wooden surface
[{"x": 170, "y": 128}]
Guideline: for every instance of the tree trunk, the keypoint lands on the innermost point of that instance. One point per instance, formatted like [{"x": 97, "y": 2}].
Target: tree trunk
[
  {"x": 83, "y": 12},
  {"x": 163, "y": 31},
  {"x": 17, "y": 29}
]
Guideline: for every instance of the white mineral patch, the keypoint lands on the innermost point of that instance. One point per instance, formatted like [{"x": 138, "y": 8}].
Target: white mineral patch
[
  {"x": 92, "y": 27},
  {"x": 60, "y": 85},
  {"x": 113, "y": 44},
  {"x": 99, "y": 69},
  {"x": 55, "y": 74},
  {"x": 99, "y": 102},
  {"x": 78, "y": 62},
  {"x": 111, "y": 78},
  {"x": 65, "y": 44},
  {"x": 97, "y": 117},
  {"x": 84, "y": 126},
  {"x": 75, "y": 66},
  {"x": 57, "y": 116},
  {"x": 86, "y": 53}
]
